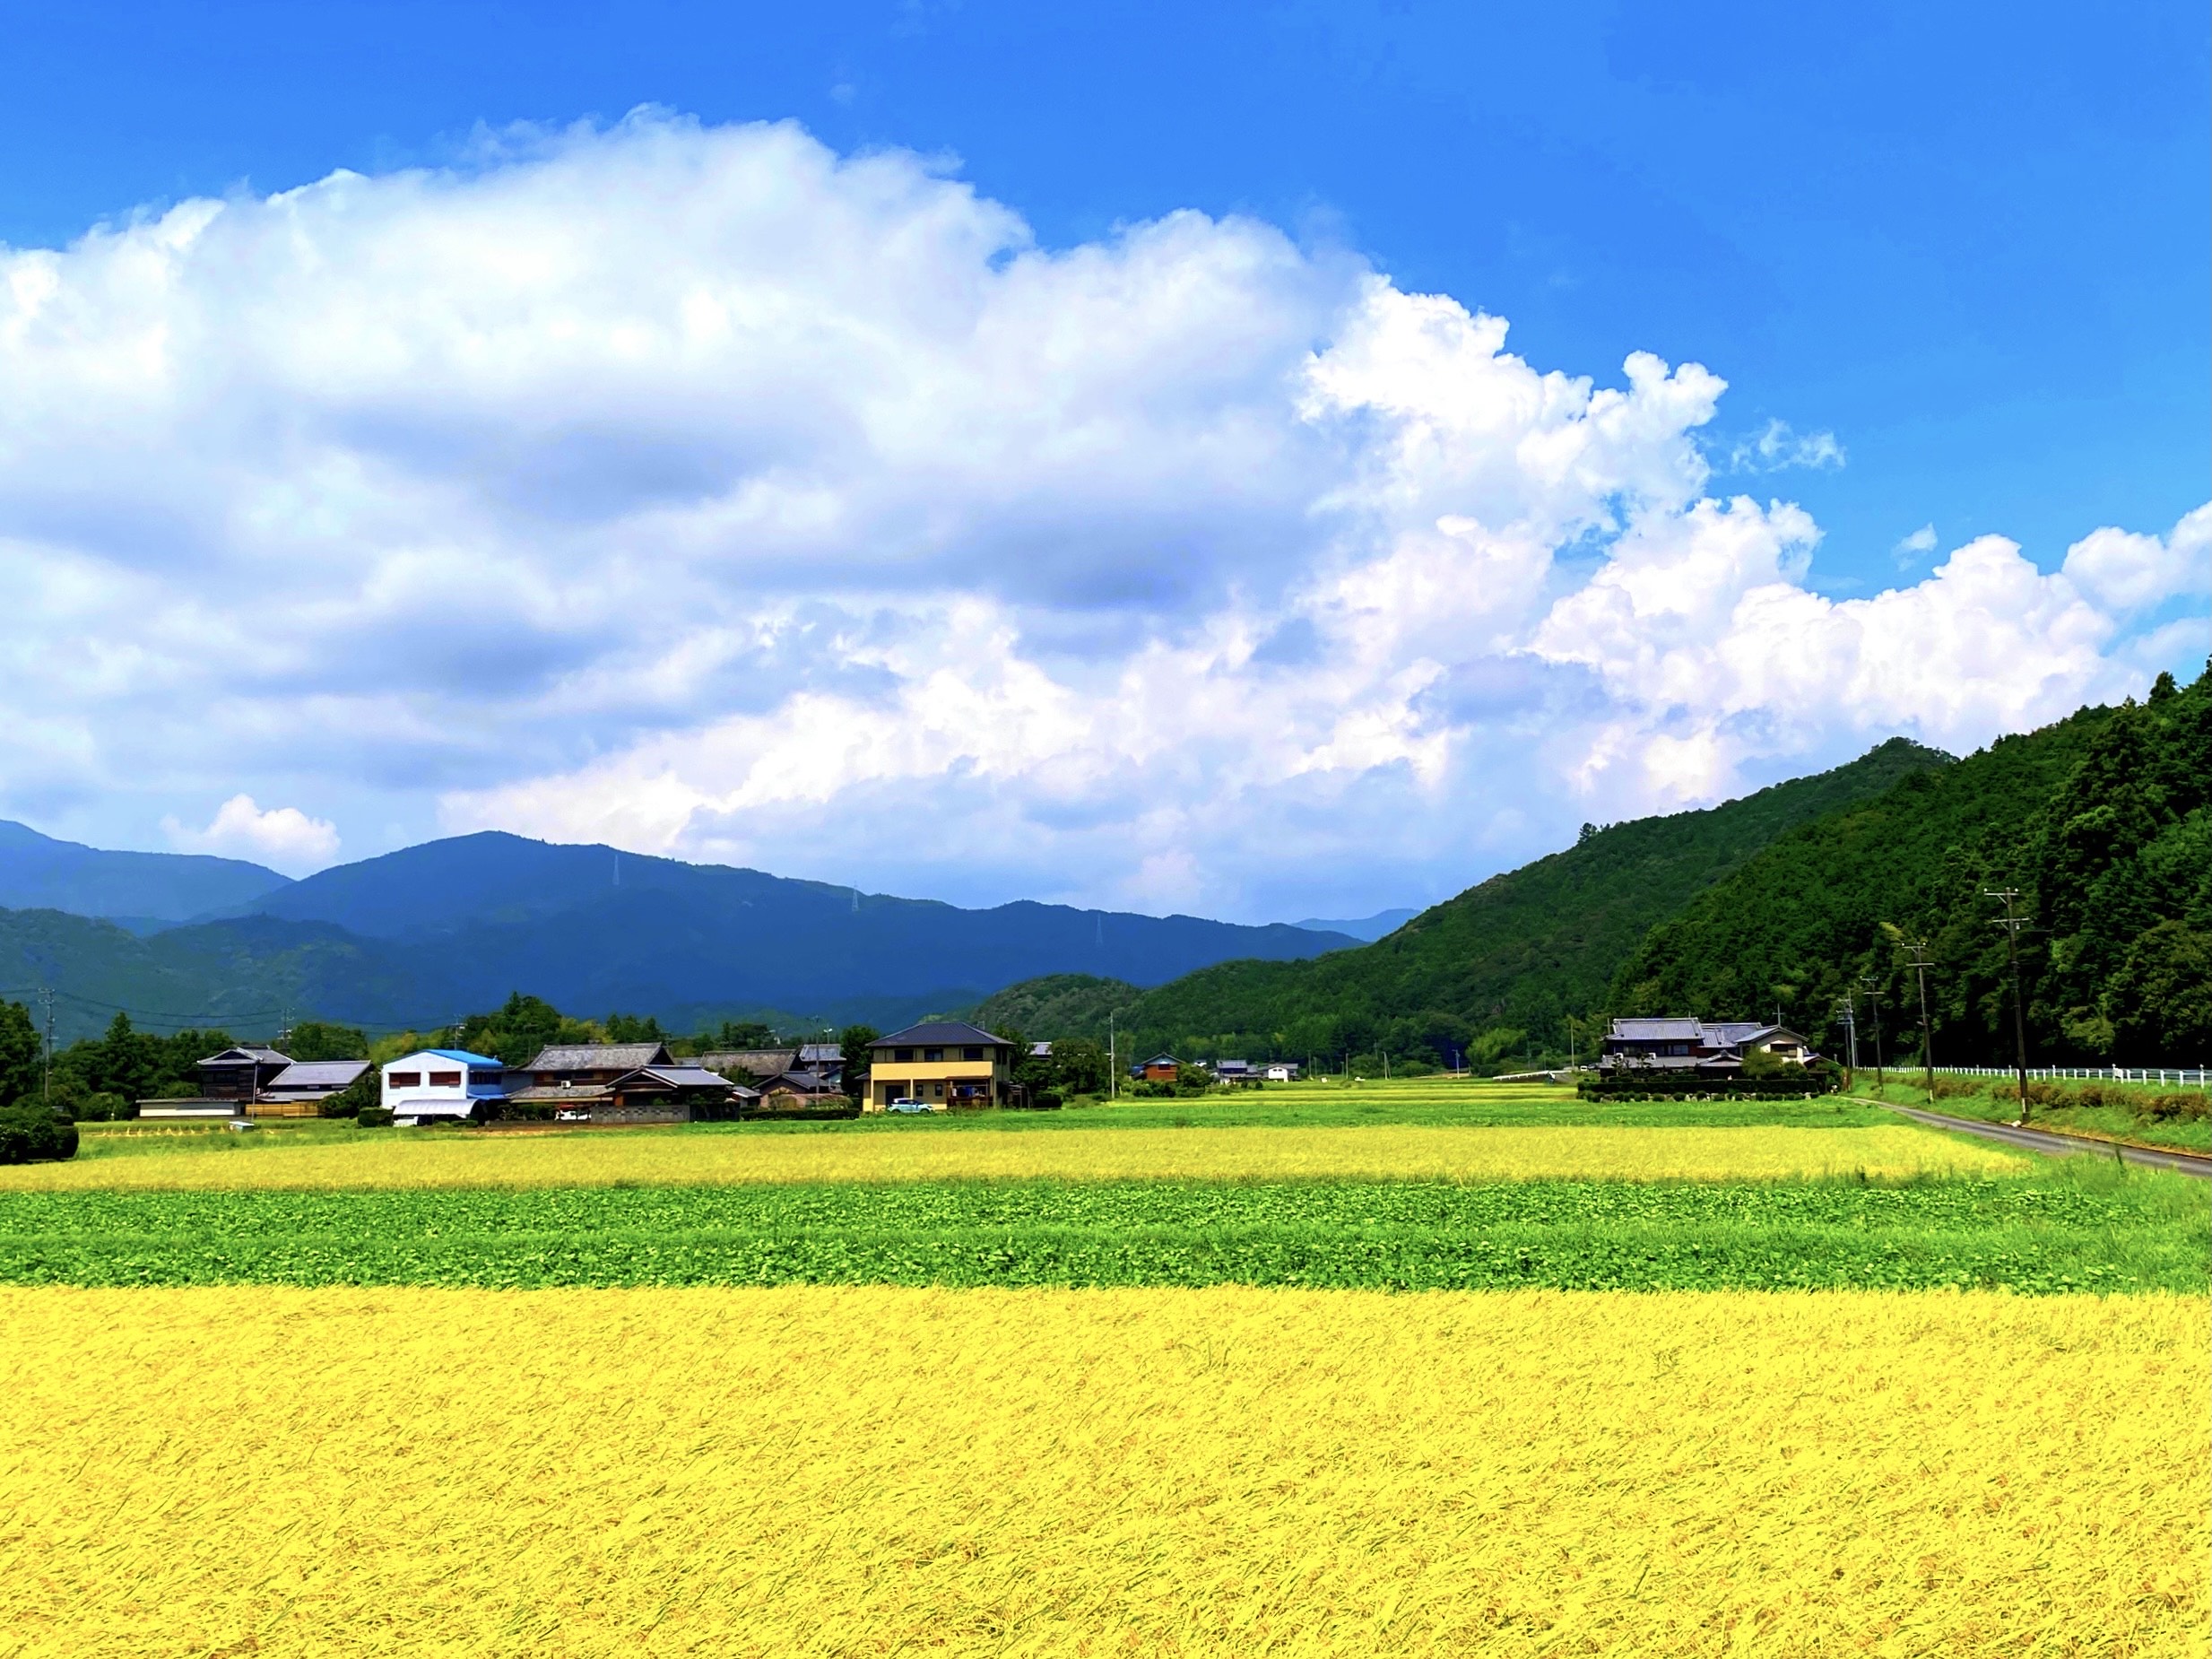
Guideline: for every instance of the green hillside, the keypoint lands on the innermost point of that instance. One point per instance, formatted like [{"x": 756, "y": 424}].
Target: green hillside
[
  {"x": 2103, "y": 822},
  {"x": 1495, "y": 972},
  {"x": 1056, "y": 1005}
]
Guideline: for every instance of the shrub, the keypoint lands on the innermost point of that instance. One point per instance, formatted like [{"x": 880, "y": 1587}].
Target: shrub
[
  {"x": 374, "y": 1117},
  {"x": 30, "y": 1132},
  {"x": 364, "y": 1092},
  {"x": 518, "y": 1111},
  {"x": 2190, "y": 1106}
]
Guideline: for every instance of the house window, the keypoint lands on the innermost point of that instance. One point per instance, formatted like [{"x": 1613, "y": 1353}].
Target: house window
[
  {"x": 445, "y": 1080},
  {"x": 480, "y": 1078},
  {"x": 903, "y": 1055},
  {"x": 404, "y": 1079},
  {"x": 932, "y": 1053},
  {"x": 971, "y": 1054}
]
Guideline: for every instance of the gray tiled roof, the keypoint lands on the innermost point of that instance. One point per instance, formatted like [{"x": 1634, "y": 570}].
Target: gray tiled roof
[
  {"x": 684, "y": 1074},
  {"x": 753, "y": 1062},
  {"x": 599, "y": 1058},
  {"x": 317, "y": 1075},
  {"x": 801, "y": 1082},
  {"x": 1657, "y": 1030},
  {"x": 241, "y": 1055},
  {"x": 937, "y": 1033}
]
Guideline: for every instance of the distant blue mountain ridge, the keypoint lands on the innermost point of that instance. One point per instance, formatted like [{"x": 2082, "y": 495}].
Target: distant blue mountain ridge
[
  {"x": 1367, "y": 929},
  {"x": 139, "y": 890},
  {"x": 419, "y": 936}
]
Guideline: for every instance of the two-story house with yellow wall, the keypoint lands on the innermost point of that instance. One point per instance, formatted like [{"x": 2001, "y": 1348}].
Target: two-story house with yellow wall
[{"x": 944, "y": 1064}]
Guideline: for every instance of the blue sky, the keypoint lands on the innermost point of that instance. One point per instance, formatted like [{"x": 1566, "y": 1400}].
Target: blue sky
[
  {"x": 1951, "y": 262},
  {"x": 1968, "y": 240}
]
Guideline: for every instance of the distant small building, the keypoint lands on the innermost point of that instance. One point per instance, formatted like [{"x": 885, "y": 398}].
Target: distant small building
[
  {"x": 1158, "y": 1069},
  {"x": 252, "y": 1081},
  {"x": 799, "y": 1090},
  {"x": 240, "y": 1073},
  {"x": 441, "y": 1082},
  {"x": 948, "y": 1064},
  {"x": 675, "y": 1092},
  {"x": 1687, "y": 1044},
  {"x": 753, "y": 1066},
  {"x": 825, "y": 1060},
  {"x": 594, "y": 1063},
  {"x": 299, "y": 1089},
  {"x": 1282, "y": 1072}
]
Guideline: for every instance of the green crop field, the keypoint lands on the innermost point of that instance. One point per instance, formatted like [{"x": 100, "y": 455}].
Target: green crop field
[
  {"x": 1416, "y": 1185},
  {"x": 2088, "y": 1228}
]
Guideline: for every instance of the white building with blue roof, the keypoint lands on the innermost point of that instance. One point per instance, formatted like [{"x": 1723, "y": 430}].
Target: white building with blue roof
[{"x": 441, "y": 1082}]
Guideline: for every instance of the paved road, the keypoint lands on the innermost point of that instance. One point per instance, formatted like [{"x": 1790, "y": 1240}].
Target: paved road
[{"x": 2044, "y": 1141}]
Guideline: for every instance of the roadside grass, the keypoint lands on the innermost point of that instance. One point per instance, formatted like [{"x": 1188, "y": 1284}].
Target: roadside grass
[
  {"x": 2120, "y": 1116},
  {"x": 809, "y": 1472},
  {"x": 1200, "y": 1151},
  {"x": 2072, "y": 1225}
]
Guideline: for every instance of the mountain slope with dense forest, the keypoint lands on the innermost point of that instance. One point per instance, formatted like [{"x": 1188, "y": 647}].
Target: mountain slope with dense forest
[
  {"x": 414, "y": 937},
  {"x": 1499, "y": 969},
  {"x": 2103, "y": 822},
  {"x": 38, "y": 872}
]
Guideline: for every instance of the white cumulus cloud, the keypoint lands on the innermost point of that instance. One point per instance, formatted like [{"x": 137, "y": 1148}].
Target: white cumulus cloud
[
  {"x": 282, "y": 836},
  {"x": 703, "y": 490}
]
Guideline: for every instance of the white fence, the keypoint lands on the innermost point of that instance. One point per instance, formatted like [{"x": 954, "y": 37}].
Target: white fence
[{"x": 2186, "y": 1077}]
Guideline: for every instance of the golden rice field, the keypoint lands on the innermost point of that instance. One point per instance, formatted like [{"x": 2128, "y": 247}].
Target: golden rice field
[
  {"x": 430, "y": 1158},
  {"x": 1220, "y": 1471}
]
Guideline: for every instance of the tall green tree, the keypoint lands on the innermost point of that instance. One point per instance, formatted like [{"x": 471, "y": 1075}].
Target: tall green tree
[
  {"x": 853, "y": 1049},
  {"x": 22, "y": 1055},
  {"x": 319, "y": 1039}
]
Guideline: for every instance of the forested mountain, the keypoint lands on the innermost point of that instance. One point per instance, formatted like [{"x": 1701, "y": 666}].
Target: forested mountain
[
  {"x": 38, "y": 872},
  {"x": 2103, "y": 823},
  {"x": 414, "y": 937},
  {"x": 1055, "y": 1005},
  {"x": 1499, "y": 969}
]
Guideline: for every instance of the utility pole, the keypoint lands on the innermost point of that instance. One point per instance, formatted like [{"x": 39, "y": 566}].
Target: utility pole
[
  {"x": 1920, "y": 966},
  {"x": 1114, "y": 1066},
  {"x": 45, "y": 1090},
  {"x": 2012, "y": 924},
  {"x": 1850, "y": 1016},
  {"x": 1874, "y": 997}
]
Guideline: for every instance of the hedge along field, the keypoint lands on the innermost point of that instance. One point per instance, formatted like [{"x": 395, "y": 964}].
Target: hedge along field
[
  {"x": 1382, "y": 1151},
  {"x": 2077, "y": 1225},
  {"x": 1225, "y": 1472}
]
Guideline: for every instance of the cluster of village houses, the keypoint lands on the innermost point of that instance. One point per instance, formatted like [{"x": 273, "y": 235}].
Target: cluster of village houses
[{"x": 937, "y": 1066}]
